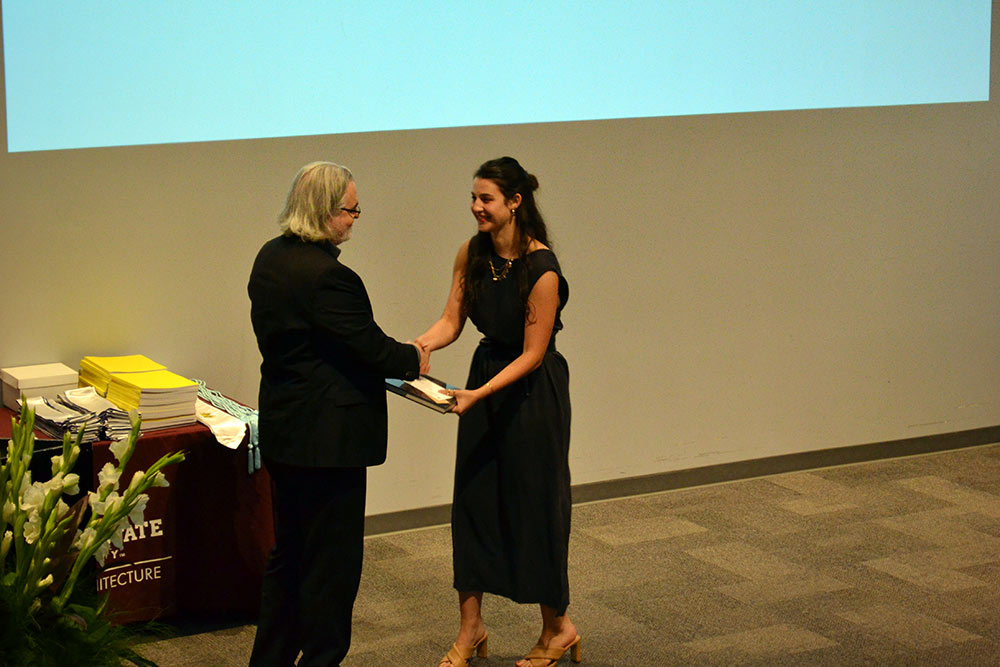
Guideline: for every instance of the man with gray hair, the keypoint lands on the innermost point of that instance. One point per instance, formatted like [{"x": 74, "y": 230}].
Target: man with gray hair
[{"x": 322, "y": 417}]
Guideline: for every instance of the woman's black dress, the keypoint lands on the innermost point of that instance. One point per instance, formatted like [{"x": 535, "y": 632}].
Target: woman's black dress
[{"x": 511, "y": 510}]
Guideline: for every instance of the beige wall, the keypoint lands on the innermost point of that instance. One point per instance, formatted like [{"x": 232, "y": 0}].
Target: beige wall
[{"x": 741, "y": 285}]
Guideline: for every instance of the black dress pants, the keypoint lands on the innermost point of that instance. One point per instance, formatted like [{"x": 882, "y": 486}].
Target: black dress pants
[{"x": 314, "y": 568}]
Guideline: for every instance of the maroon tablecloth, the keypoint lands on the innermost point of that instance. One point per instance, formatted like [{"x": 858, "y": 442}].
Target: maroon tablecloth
[{"x": 204, "y": 540}]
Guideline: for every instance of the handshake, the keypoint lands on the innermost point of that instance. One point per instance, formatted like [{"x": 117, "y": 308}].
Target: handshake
[{"x": 425, "y": 356}]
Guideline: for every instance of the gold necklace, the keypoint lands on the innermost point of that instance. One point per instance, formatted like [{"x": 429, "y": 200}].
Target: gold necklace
[{"x": 503, "y": 274}]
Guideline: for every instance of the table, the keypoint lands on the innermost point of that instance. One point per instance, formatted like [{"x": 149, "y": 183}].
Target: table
[{"x": 204, "y": 540}]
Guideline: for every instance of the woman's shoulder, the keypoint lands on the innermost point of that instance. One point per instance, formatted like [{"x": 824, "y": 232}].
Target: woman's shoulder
[
  {"x": 535, "y": 246},
  {"x": 541, "y": 255},
  {"x": 541, "y": 261},
  {"x": 462, "y": 258}
]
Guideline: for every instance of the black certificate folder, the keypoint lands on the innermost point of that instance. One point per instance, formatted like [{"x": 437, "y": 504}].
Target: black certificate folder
[{"x": 425, "y": 390}]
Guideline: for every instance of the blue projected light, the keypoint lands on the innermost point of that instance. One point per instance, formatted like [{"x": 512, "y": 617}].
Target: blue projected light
[{"x": 105, "y": 73}]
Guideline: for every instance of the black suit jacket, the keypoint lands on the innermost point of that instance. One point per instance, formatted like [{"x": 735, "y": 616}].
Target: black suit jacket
[{"x": 325, "y": 360}]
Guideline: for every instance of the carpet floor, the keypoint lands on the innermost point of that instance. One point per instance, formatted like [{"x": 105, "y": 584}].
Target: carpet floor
[{"x": 890, "y": 562}]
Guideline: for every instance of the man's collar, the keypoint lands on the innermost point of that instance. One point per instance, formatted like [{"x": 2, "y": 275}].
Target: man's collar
[{"x": 332, "y": 249}]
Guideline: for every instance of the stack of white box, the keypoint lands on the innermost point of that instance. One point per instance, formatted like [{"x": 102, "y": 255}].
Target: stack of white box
[{"x": 46, "y": 380}]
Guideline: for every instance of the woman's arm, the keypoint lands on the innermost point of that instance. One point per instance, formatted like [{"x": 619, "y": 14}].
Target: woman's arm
[
  {"x": 444, "y": 332},
  {"x": 543, "y": 301}
]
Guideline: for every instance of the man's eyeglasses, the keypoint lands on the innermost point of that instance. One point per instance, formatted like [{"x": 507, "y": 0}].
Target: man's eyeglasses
[{"x": 355, "y": 212}]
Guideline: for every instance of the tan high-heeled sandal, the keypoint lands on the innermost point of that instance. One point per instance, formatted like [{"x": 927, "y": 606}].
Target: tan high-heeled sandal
[
  {"x": 540, "y": 656},
  {"x": 459, "y": 656}
]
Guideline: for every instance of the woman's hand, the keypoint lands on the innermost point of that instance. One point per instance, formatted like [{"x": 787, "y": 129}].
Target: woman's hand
[{"x": 464, "y": 399}]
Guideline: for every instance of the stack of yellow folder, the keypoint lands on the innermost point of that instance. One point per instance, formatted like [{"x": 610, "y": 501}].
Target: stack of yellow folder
[
  {"x": 163, "y": 399},
  {"x": 96, "y": 371}
]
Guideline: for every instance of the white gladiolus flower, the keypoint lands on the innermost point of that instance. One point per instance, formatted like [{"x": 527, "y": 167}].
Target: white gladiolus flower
[
  {"x": 84, "y": 538},
  {"x": 108, "y": 477},
  {"x": 32, "y": 527},
  {"x": 71, "y": 484},
  {"x": 136, "y": 479},
  {"x": 114, "y": 503},
  {"x": 8, "y": 510},
  {"x": 57, "y": 462},
  {"x": 118, "y": 449},
  {"x": 54, "y": 484},
  {"x": 62, "y": 509},
  {"x": 46, "y": 582},
  {"x": 107, "y": 506},
  {"x": 8, "y": 539},
  {"x": 117, "y": 538},
  {"x": 102, "y": 552},
  {"x": 136, "y": 515},
  {"x": 33, "y": 497},
  {"x": 159, "y": 479},
  {"x": 95, "y": 503}
]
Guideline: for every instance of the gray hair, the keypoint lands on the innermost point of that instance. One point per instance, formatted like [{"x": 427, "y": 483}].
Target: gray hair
[{"x": 316, "y": 194}]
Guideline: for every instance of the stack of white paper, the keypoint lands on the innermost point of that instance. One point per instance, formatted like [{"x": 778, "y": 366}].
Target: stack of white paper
[
  {"x": 56, "y": 418},
  {"x": 115, "y": 424}
]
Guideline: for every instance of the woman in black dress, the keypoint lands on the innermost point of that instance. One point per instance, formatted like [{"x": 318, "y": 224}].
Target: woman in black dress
[{"x": 511, "y": 508}]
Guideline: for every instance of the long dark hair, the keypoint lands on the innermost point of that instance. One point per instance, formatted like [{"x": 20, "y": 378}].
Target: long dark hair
[{"x": 511, "y": 179}]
